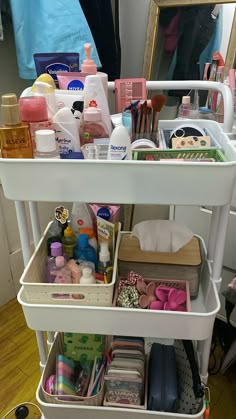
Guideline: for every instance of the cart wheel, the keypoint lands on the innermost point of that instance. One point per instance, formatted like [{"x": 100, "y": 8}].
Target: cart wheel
[{"x": 21, "y": 412}]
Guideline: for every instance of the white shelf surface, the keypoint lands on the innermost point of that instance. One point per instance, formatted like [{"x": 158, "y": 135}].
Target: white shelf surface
[
  {"x": 196, "y": 324},
  {"x": 141, "y": 182},
  {"x": 62, "y": 411}
]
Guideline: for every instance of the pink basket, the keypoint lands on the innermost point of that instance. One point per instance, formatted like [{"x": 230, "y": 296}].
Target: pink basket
[{"x": 179, "y": 285}]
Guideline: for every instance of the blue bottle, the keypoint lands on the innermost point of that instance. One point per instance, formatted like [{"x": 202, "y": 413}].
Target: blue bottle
[{"x": 83, "y": 250}]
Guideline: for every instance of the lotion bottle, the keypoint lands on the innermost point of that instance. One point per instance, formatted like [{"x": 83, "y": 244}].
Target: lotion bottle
[
  {"x": 87, "y": 277},
  {"x": 94, "y": 96},
  {"x": 120, "y": 145},
  {"x": 67, "y": 135}
]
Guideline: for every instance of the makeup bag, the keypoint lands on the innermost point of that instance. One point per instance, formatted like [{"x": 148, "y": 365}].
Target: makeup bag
[{"x": 185, "y": 264}]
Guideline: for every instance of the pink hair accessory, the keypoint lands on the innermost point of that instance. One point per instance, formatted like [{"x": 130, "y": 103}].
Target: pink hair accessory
[
  {"x": 132, "y": 279},
  {"x": 148, "y": 297},
  {"x": 169, "y": 298}
]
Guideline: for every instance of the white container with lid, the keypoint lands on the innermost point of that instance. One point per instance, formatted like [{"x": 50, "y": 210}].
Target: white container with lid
[
  {"x": 87, "y": 276},
  {"x": 46, "y": 146}
]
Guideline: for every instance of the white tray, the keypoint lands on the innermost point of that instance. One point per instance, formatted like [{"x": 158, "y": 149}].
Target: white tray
[
  {"x": 195, "y": 325},
  {"x": 37, "y": 291},
  {"x": 87, "y": 412},
  {"x": 124, "y": 181}
]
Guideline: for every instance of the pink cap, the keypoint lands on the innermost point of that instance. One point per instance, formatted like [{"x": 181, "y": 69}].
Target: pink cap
[
  {"x": 92, "y": 114},
  {"x": 88, "y": 65},
  {"x": 33, "y": 108},
  {"x": 186, "y": 100},
  {"x": 60, "y": 261}
]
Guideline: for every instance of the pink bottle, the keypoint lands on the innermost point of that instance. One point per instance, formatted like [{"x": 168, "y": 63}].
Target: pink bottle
[
  {"x": 34, "y": 111},
  {"x": 92, "y": 126}
]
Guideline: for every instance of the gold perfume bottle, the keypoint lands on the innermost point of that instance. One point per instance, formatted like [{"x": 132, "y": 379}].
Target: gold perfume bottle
[{"x": 14, "y": 136}]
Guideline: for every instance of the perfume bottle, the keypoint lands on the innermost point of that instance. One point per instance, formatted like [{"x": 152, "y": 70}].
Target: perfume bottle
[{"x": 14, "y": 136}]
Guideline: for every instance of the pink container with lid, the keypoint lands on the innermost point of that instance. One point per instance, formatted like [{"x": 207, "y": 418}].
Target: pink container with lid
[{"x": 33, "y": 109}]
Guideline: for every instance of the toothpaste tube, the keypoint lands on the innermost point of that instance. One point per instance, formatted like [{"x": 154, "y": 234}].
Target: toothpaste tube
[
  {"x": 72, "y": 81},
  {"x": 54, "y": 62}
]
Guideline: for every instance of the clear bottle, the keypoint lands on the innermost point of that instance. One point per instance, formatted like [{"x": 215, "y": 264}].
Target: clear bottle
[
  {"x": 60, "y": 274},
  {"x": 92, "y": 126},
  {"x": 34, "y": 111},
  {"x": 185, "y": 107},
  {"x": 46, "y": 147},
  {"x": 87, "y": 277},
  {"x": 14, "y": 136},
  {"x": 83, "y": 250},
  {"x": 104, "y": 259},
  {"x": 69, "y": 242}
]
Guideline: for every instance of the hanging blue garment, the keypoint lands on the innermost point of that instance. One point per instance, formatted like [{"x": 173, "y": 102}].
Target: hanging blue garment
[{"x": 49, "y": 26}]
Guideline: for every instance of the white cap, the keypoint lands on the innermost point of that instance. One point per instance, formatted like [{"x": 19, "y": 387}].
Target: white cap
[
  {"x": 45, "y": 140},
  {"x": 104, "y": 254},
  {"x": 87, "y": 272}
]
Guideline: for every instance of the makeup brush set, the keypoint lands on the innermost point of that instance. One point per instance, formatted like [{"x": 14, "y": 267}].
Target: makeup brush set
[{"x": 145, "y": 118}]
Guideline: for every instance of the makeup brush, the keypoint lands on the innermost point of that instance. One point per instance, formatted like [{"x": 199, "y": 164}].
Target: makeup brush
[
  {"x": 143, "y": 120},
  {"x": 158, "y": 101}
]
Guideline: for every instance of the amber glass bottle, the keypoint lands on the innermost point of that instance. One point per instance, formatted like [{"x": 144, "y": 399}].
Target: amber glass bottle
[{"x": 14, "y": 136}]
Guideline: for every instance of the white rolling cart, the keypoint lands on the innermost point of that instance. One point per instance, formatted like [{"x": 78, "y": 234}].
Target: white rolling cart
[{"x": 129, "y": 182}]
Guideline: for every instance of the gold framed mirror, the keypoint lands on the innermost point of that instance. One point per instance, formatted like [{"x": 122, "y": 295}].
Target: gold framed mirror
[{"x": 150, "y": 52}]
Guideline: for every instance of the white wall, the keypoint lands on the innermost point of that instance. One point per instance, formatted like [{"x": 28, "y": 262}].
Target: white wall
[
  {"x": 228, "y": 15},
  {"x": 133, "y": 26}
]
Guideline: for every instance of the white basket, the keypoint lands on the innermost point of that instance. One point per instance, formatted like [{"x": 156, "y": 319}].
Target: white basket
[
  {"x": 38, "y": 291},
  {"x": 196, "y": 324},
  {"x": 188, "y": 406}
]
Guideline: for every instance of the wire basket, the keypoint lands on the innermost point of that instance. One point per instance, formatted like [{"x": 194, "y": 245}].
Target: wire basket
[
  {"x": 184, "y": 154},
  {"x": 187, "y": 402}
]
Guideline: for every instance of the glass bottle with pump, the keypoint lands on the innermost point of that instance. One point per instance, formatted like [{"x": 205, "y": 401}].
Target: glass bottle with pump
[{"x": 14, "y": 136}]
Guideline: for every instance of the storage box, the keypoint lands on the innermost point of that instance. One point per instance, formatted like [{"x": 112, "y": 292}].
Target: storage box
[
  {"x": 38, "y": 291},
  {"x": 50, "y": 368},
  {"x": 185, "y": 264}
]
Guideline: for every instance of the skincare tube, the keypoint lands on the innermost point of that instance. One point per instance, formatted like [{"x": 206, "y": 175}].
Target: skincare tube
[{"x": 71, "y": 81}]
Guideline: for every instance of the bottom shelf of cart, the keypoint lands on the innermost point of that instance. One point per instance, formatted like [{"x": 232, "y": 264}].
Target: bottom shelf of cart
[{"x": 70, "y": 411}]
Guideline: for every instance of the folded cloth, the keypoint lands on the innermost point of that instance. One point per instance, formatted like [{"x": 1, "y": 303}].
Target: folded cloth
[{"x": 162, "y": 235}]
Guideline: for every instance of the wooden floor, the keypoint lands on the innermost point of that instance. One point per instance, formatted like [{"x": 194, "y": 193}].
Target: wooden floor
[{"x": 19, "y": 368}]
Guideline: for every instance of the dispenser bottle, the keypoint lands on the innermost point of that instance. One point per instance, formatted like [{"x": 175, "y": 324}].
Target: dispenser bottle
[
  {"x": 89, "y": 67},
  {"x": 46, "y": 147},
  {"x": 87, "y": 277},
  {"x": 94, "y": 96},
  {"x": 92, "y": 126},
  {"x": 69, "y": 242},
  {"x": 104, "y": 258},
  {"x": 34, "y": 111},
  {"x": 14, "y": 136}
]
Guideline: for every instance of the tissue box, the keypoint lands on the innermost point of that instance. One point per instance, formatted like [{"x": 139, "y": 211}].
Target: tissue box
[{"x": 185, "y": 264}]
